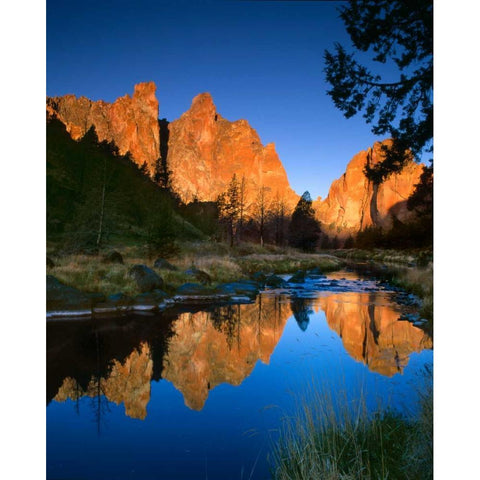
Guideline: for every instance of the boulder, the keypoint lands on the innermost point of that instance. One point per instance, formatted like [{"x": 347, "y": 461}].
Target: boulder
[
  {"x": 259, "y": 277},
  {"x": 119, "y": 300},
  {"x": 242, "y": 287},
  {"x": 145, "y": 278},
  {"x": 113, "y": 257},
  {"x": 61, "y": 297},
  {"x": 161, "y": 263},
  {"x": 203, "y": 277},
  {"x": 194, "y": 289},
  {"x": 298, "y": 277},
  {"x": 150, "y": 299},
  {"x": 274, "y": 281},
  {"x": 315, "y": 271}
]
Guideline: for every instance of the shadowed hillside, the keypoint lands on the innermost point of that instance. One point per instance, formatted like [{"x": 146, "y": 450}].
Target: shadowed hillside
[{"x": 96, "y": 197}]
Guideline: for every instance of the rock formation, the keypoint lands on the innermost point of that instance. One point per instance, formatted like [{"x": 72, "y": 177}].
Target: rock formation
[
  {"x": 371, "y": 332},
  {"x": 131, "y": 123},
  {"x": 205, "y": 150},
  {"x": 353, "y": 203}
]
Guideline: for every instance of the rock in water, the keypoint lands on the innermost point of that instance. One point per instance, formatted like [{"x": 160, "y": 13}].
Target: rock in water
[
  {"x": 274, "y": 281},
  {"x": 194, "y": 289},
  {"x": 146, "y": 279},
  {"x": 298, "y": 277}
]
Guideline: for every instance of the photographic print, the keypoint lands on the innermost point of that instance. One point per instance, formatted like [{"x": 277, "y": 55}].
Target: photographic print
[{"x": 239, "y": 222}]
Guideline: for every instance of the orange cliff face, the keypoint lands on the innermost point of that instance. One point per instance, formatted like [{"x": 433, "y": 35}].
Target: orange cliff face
[
  {"x": 371, "y": 332},
  {"x": 205, "y": 150},
  {"x": 131, "y": 123},
  {"x": 127, "y": 382},
  {"x": 352, "y": 203},
  {"x": 207, "y": 349}
]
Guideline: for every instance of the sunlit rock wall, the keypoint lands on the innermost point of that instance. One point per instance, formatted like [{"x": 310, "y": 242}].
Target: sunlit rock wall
[{"x": 131, "y": 123}]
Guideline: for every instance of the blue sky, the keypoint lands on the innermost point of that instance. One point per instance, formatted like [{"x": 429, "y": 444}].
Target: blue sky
[{"x": 261, "y": 61}]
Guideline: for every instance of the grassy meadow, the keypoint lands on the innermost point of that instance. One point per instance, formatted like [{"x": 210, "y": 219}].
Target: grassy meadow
[{"x": 89, "y": 273}]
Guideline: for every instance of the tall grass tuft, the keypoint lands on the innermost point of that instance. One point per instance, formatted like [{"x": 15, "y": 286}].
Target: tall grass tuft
[{"x": 339, "y": 439}]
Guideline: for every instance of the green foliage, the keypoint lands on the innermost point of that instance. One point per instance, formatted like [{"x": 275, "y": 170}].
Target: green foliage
[
  {"x": 304, "y": 230},
  {"x": 229, "y": 207},
  {"x": 349, "y": 242},
  {"x": 203, "y": 215},
  {"x": 400, "y": 33},
  {"x": 162, "y": 230},
  {"x": 92, "y": 189},
  {"x": 421, "y": 202},
  {"x": 416, "y": 234},
  {"x": 325, "y": 242}
]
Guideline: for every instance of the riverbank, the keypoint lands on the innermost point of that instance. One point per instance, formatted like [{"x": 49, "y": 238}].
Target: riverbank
[
  {"x": 98, "y": 274},
  {"x": 119, "y": 279},
  {"x": 129, "y": 278},
  {"x": 408, "y": 270}
]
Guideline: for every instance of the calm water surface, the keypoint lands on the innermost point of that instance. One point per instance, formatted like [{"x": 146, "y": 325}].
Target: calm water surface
[{"x": 201, "y": 394}]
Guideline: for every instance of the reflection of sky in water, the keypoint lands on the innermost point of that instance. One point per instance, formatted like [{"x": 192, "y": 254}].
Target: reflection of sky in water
[{"x": 233, "y": 432}]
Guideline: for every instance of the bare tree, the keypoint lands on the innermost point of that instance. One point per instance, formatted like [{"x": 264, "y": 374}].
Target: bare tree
[
  {"x": 279, "y": 212},
  {"x": 241, "y": 206},
  {"x": 102, "y": 205},
  {"x": 261, "y": 211}
]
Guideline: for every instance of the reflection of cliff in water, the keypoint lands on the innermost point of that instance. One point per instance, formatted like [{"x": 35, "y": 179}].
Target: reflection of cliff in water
[
  {"x": 116, "y": 358},
  {"x": 210, "y": 348},
  {"x": 371, "y": 332},
  {"x": 127, "y": 383},
  {"x": 196, "y": 351}
]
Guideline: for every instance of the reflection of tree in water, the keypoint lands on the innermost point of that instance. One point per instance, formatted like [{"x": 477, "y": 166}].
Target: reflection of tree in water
[
  {"x": 301, "y": 311},
  {"x": 99, "y": 401},
  {"x": 227, "y": 320}
]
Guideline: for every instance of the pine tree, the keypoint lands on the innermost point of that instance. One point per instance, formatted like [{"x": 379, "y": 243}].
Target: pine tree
[
  {"x": 229, "y": 208},
  {"x": 161, "y": 173},
  {"x": 304, "y": 230},
  {"x": 399, "y": 32},
  {"x": 144, "y": 169},
  {"x": 279, "y": 219}
]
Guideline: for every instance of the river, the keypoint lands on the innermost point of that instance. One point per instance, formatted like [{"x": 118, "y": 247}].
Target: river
[{"x": 202, "y": 393}]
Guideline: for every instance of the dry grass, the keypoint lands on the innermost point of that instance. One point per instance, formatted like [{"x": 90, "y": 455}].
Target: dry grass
[
  {"x": 287, "y": 263},
  {"x": 420, "y": 257},
  {"x": 89, "y": 273},
  {"x": 420, "y": 282}
]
